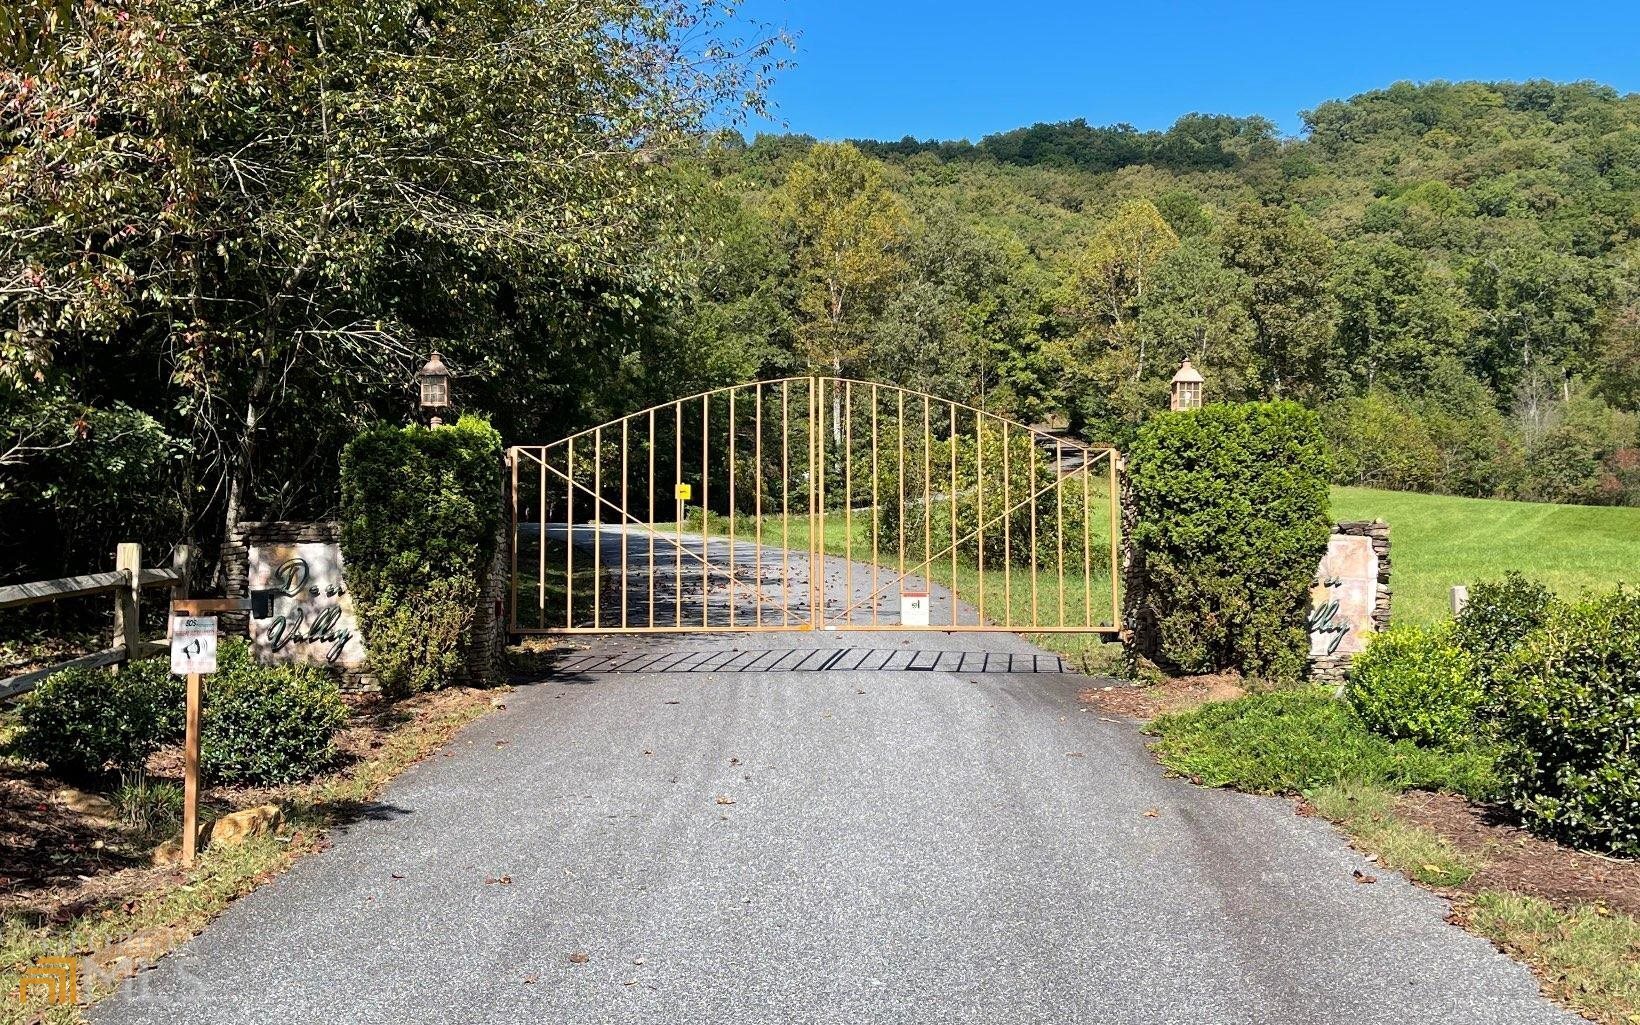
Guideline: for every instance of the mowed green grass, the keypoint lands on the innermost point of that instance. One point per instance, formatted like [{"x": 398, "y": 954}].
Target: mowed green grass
[{"x": 1437, "y": 541}]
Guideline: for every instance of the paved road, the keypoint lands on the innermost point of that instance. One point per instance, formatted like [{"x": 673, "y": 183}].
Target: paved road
[{"x": 738, "y": 836}]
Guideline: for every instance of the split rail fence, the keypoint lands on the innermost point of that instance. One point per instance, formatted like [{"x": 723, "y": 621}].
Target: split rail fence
[{"x": 126, "y": 582}]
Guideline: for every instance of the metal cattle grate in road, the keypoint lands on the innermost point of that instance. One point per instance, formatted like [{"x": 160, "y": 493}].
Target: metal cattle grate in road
[{"x": 810, "y": 660}]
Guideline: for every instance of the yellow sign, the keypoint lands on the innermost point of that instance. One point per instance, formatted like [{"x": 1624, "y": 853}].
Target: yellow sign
[
  {"x": 684, "y": 491},
  {"x": 58, "y": 976}
]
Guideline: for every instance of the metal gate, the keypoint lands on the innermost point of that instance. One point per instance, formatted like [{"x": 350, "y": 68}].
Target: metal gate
[{"x": 813, "y": 503}]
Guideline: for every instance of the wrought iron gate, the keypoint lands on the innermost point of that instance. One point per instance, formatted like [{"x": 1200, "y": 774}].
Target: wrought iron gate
[{"x": 813, "y": 503}]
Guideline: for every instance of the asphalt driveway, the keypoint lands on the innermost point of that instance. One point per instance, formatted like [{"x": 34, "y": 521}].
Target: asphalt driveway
[{"x": 825, "y": 828}]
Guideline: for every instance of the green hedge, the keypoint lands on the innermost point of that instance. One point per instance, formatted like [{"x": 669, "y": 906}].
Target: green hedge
[
  {"x": 1233, "y": 519},
  {"x": 265, "y": 725},
  {"x": 1414, "y": 683},
  {"x": 261, "y": 724},
  {"x": 83, "y": 722},
  {"x": 1570, "y": 716},
  {"x": 420, "y": 510},
  {"x": 1499, "y": 616}
]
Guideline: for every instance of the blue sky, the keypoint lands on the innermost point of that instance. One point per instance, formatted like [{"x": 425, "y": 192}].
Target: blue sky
[{"x": 965, "y": 68}]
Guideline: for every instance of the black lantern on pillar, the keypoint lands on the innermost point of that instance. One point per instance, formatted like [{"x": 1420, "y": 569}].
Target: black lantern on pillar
[{"x": 434, "y": 379}]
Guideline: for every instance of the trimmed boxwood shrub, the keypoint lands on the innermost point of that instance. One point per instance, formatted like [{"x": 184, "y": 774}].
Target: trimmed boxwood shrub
[
  {"x": 1414, "y": 683},
  {"x": 1233, "y": 518},
  {"x": 1498, "y": 617},
  {"x": 83, "y": 721},
  {"x": 1570, "y": 718},
  {"x": 265, "y": 725},
  {"x": 420, "y": 510}
]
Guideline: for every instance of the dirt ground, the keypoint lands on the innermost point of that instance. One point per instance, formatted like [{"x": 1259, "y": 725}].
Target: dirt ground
[
  {"x": 1516, "y": 860},
  {"x": 56, "y": 863}
]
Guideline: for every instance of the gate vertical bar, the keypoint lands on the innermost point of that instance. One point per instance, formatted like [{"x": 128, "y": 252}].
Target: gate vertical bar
[
  {"x": 512, "y": 595},
  {"x": 900, "y": 438},
  {"x": 848, "y": 498},
  {"x": 1115, "y": 530},
  {"x": 597, "y": 527},
  {"x": 1035, "y": 618},
  {"x": 785, "y": 503},
  {"x": 876, "y": 505},
  {"x": 1007, "y": 535},
  {"x": 757, "y": 515},
  {"x": 541, "y": 547},
  {"x": 952, "y": 502},
  {"x": 928, "y": 501},
  {"x": 1059, "y": 519},
  {"x": 1087, "y": 542},
  {"x": 569, "y": 535},
  {"x": 705, "y": 507},
  {"x": 979, "y": 499},
  {"x": 625, "y": 516},
  {"x": 731, "y": 507},
  {"x": 677, "y": 539},
  {"x": 651, "y": 521}
]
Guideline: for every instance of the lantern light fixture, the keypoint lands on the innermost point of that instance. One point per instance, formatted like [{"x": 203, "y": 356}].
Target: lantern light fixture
[
  {"x": 434, "y": 380},
  {"x": 1187, "y": 388}
]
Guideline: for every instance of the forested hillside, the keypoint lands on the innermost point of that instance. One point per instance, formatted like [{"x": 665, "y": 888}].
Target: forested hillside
[
  {"x": 1449, "y": 271},
  {"x": 228, "y": 244}
]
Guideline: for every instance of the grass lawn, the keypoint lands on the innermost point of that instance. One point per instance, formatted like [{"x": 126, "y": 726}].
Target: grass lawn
[{"x": 1438, "y": 541}]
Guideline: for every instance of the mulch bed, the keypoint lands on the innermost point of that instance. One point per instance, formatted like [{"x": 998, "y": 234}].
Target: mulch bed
[
  {"x": 1517, "y": 861},
  {"x": 1172, "y": 694}
]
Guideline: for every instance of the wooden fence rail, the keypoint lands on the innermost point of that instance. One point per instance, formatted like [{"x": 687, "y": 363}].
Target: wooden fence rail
[{"x": 126, "y": 582}]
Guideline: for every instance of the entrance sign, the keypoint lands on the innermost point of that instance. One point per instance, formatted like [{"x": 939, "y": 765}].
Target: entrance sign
[
  {"x": 913, "y": 608},
  {"x": 300, "y": 608},
  {"x": 1343, "y": 598},
  {"x": 193, "y": 645}
]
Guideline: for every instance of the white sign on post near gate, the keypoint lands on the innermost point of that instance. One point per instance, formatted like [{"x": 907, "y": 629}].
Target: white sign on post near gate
[
  {"x": 193, "y": 644},
  {"x": 913, "y": 608}
]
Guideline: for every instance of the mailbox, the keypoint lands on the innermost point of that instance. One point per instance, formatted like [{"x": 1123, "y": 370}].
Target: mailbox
[{"x": 262, "y": 602}]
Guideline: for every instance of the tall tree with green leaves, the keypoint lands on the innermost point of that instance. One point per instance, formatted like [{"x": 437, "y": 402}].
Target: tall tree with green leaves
[
  {"x": 1288, "y": 261},
  {"x": 253, "y": 219}
]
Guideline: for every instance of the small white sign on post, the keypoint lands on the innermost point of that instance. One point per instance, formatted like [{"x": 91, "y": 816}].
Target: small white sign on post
[
  {"x": 193, "y": 644},
  {"x": 913, "y": 608}
]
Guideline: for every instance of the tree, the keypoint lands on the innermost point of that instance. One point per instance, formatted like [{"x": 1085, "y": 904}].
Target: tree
[
  {"x": 1197, "y": 310},
  {"x": 1288, "y": 260},
  {"x": 1394, "y": 317},
  {"x": 847, "y": 234},
  {"x": 275, "y": 209}
]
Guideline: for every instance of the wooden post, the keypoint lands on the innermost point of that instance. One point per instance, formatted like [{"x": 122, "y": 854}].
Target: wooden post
[
  {"x": 182, "y": 560},
  {"x": 196, "y": 702},
  {"x": 128, "y": 599},
  {"x": 190, "y": 769}
]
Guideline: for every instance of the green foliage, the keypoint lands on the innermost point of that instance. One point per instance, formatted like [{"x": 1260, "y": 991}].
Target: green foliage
[
  {"x": 265, "y": 725},
  {"x": 1290, "y": 741},
  {"x": 250, "y": 222},
  {"x": 149, "y": 807},
  {"x": 420, "y": 511},
  {"x": 82, "y": 721},
  {"x": 1571, "y": 718},
  {"x": 1499, "y": 616},
  {"x": 1414, "y": 683},
  {"x": 1232, "y": 520}
]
